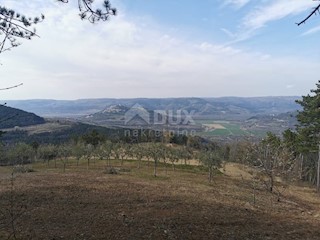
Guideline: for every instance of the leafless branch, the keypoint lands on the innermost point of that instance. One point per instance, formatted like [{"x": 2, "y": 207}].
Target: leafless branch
[
  {"x": 314, "y": 12},
  {"x": 15, "y": 86}
]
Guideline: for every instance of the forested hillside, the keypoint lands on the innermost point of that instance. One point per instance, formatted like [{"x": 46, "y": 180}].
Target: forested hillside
[{"x": 11, "y": 117}]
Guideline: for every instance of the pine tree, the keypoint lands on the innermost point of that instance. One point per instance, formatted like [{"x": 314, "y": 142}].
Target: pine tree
[
  {"x": 309, "y": 125},
  {"x": 309, "y": 119}
]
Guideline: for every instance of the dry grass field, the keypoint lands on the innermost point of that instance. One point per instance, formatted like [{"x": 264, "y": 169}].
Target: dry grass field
[{"x": 90, "y": 204}]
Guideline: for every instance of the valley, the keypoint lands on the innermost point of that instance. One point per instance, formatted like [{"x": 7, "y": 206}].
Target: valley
[{"x": 223, "y": 119}]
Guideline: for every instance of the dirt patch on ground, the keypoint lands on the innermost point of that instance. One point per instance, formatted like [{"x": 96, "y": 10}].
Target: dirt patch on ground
[
  {"x": 180, "y": 205},
  {"x": 236, "y": 170}
]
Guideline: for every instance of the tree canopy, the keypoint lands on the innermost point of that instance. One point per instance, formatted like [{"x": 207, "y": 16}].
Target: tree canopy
[{"x": 309, "y": 118}]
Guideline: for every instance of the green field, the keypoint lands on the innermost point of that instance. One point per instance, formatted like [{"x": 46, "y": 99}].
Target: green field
[{"x": 230, "y": 129}]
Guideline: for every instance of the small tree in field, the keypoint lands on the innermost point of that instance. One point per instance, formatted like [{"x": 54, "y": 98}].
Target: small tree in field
[
  {"x": 138, "y": 151},
  {"x": 21, "y": 153},
  {"x": 211, "y": 158},
  {"x": 47, "y": 153},
  {"x": 89, "y": 150},
  {"x": 155, "y": 151},
  {"x": 185, "y": 153},
  {"x": 78, "y": 151},
  {"x": 64, "y": 152},
  {"x": 116, "y": 151},
  {"x": 272, "y": 159},
  {"x": 173, "y": 155},
  {"x": 123, "y": 151},
  {"x": 104, "y": 151}
]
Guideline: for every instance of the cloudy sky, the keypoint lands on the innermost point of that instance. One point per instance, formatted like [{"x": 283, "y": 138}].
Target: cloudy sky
[{"x": 167, "y": 48}]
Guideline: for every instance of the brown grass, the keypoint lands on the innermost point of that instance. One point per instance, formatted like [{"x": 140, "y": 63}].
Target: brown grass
[{"x": 81, "y": 204}]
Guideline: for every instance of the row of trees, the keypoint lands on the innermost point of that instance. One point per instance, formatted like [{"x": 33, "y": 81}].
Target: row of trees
[
  {"x": 294, "y": 155},
  {"x": 91, "y": 149}
]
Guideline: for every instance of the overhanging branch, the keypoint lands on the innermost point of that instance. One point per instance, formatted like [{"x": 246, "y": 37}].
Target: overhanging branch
[
  {"x": 314, "y": 12},
  {"x": 15, "y": 86}
]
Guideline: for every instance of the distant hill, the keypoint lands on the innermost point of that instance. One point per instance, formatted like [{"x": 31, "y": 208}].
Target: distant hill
[
  {"x": 57, "y": 132},
  {"x": 12, "y": 117},
  {"x": 215, "y": 118},
  {"x": 108, "y": 116},
  {"x": 238, "y": 108}
]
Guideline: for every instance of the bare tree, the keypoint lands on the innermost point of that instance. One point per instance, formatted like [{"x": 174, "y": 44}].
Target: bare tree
[
  {"x": 273, "y": 160},
  {"x": 173, "y": 155},
  {"x": 139, "y": 152},
  {"x": 47, "y": 153},
  {"x": 64, "y": 152},
  {"x": 211, "y": 158},
  {"x": 104, "y": 151},
  {"x": 155, "y": 151},
  {"x": 123, "y": 151},
  {"x": 89, "y": 149}
]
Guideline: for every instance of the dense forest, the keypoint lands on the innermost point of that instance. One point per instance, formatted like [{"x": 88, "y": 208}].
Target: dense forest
[{"x": 12, "y": 117}]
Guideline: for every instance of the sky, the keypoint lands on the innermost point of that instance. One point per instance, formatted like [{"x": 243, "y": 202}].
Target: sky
[{"x": 167, "y": 48}]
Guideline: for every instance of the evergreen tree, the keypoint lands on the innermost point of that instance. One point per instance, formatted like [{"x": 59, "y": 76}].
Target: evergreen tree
[
  {"x": 309, "y": 127},
  {"x": 309, "y": 119}
]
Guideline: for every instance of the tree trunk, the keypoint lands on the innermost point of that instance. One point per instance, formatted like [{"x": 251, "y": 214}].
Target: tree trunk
[
  {"x": 271, "y": 183},
  {"x": 254, "y": 192},
  {"x": 155, "y": 168},
  {"x": 165, "y": 166},
  {"x": 139, "y": 163},
  {"x": 318, "y": 171},
  {"x": 301, "y": 167}
]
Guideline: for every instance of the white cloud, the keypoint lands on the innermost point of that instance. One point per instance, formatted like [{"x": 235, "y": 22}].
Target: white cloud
[
  {"x": 273, "y": 11},
  {"x": 130, "y": 58},
  {"x": 229, "y": 33},
  {"x": 218, "y": 49},
  {"x": 237, "y": 3},
  {"x": 266, "y": 12},
  {"x": 312, "y": 31}
]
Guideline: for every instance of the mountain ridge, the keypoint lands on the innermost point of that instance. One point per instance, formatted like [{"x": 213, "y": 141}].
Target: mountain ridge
[{"x": 236, "y": 106}]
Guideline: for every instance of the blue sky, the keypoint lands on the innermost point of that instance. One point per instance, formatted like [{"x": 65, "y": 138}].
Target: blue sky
[{"x": 168, "y": 48}]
